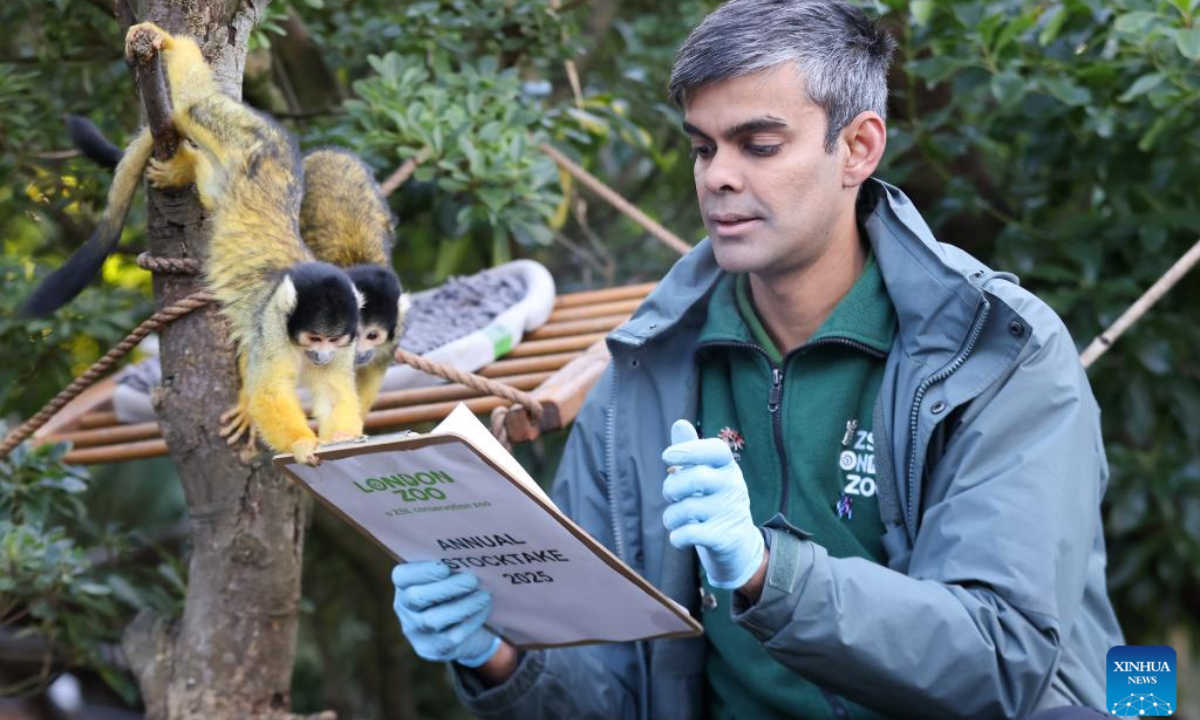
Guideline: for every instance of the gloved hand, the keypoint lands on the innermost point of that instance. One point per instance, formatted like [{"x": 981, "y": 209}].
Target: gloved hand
[
  {"x": 710, "y": 507},
  {"x": 442, "y": 615}
]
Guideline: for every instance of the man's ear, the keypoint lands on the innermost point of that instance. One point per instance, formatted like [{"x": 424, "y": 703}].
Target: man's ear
[{"x": 866, "y": 138}]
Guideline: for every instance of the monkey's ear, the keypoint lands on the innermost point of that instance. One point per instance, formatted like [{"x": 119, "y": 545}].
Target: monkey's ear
[
  {"x": 404, "y": 305},
  {"x": 362, "y": 299},
  {"x": 285, "y": 295}
]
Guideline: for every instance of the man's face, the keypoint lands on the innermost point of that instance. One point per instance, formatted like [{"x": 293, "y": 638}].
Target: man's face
[{"x": 771, "y": 197}]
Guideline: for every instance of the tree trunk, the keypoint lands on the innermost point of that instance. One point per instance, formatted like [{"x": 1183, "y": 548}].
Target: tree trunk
[{"x": 231, "y": 654}]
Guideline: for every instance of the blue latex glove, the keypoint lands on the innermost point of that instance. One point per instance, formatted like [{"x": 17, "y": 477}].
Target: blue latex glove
[
  {"x": 442, "y": 614},
  {"x": 710, "y": 507}
]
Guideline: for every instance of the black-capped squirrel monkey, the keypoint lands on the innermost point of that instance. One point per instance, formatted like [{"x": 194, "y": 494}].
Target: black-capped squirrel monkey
[
  {"x": 293, "y": 319},
  {"x": 345, "y": 220}
]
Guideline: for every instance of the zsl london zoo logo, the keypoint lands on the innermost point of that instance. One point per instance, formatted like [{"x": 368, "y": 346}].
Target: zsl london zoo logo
[{"x": 1141, "y": 680}]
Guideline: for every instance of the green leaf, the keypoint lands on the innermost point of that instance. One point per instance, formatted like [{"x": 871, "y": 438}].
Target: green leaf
[
  {"x": 1188, "y": 42},
  {"x": 921, "y": 11},
  {"x": 1137, "y": 23},
  {"x": 1141, "y": 86},
  {"x": 1054, "y": 25},
  {"x": 1008, "y": 87},
  {"x": 1066, "y": 90}
]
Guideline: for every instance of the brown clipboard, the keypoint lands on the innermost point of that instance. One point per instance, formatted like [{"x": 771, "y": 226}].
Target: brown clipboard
[{"x": 412, "y": 441}]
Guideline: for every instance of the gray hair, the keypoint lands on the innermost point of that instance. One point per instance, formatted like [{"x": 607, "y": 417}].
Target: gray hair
[{"x": 841, "y": 53}]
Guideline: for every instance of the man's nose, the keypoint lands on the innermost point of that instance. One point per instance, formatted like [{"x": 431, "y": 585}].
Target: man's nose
[{"x": 723, "y": 172}]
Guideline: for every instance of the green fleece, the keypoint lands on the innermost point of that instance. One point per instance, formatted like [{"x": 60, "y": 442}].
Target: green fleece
[{"x": 808, "y": 411}]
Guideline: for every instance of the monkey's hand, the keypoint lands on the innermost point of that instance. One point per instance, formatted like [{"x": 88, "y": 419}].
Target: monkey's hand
[
  {"x": 144, "y": 37},
  {"x": 305, "y": 451}
]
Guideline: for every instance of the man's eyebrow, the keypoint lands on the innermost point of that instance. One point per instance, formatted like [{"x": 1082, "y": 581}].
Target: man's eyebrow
[{"x": 746, "y": 128}]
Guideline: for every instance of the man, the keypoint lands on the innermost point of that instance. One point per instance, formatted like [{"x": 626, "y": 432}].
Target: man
[{"x": 896, "y": 504}]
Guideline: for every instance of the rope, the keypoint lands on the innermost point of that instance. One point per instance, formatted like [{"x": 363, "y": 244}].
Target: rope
[
  {"x": 169, "y": 266},
  {"x": 471, "y": 380},
  {"x": 154, "y": 322},
  {"x": 499, "y": 429}
]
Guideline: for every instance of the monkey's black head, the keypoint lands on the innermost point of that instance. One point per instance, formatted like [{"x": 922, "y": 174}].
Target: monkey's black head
[
  {"x": 380, "y": 314},
  {"x": 324, "y": 309}
]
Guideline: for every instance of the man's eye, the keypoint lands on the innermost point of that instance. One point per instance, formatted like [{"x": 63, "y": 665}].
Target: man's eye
[
  {"x": 763, "y": 150},
  {"x": 703, "y": 152}
]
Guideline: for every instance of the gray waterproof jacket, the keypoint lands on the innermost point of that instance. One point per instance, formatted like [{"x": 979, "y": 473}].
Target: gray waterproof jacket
[{"x": 990, "y": 473}]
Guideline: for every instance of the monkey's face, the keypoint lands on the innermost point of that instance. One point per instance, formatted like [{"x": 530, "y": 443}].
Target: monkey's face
[
  {"x": 381, "y": 314},
  {"x": 370, "y": 336},
  {"x": 319, "y": 348}
]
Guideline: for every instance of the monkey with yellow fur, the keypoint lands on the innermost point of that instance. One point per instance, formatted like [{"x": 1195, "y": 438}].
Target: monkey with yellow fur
[
  {"x": 293, "y": 319},
  {"x": 345, "y": 220}
]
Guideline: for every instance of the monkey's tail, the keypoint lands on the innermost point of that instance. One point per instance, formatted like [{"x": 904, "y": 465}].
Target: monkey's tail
[
  {"x": 92, "y": 143},
  {"x": 62, "y": 285}
]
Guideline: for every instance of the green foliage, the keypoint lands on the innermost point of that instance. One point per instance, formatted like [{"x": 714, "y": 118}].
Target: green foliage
[
  {"x": 1056, "y": 139},
  {"x": 472, "y": 128},
  {"x": 40, "y": 357},
  {"x": 58, "y": 576}
]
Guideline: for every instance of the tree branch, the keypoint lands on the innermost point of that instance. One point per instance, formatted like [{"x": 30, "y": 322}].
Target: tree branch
[{"x": 152, "y": 84}]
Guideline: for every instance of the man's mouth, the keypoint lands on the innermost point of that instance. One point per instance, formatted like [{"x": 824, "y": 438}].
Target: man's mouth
[{"x": 731, "y": 223}]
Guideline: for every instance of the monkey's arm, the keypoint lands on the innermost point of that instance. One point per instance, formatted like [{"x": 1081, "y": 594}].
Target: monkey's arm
[
  {"x": 275, "y": 410},
  {"x": 369, "y": 380},
  {"x": 335, "y": 402}
]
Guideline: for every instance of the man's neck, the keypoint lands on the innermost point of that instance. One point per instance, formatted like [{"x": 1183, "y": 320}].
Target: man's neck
[{"x": 793, "y": 305}]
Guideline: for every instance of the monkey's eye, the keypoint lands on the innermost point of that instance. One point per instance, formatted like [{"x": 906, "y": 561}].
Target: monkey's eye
[
  {"x": 307, "y": 338},
  {"x": 373, "y": 335}
]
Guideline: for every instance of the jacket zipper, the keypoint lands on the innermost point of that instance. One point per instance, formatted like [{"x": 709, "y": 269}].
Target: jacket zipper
[
  {"x": 915, "y": 415},
  {"x": 610, "y": 462},
  {"x": 775, "y": 399}
]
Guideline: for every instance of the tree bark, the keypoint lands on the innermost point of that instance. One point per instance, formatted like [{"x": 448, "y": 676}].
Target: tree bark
[{"x": 231, "y": 654}]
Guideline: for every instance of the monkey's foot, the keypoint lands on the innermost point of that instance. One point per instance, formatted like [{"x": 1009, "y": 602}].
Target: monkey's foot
[
  {"x": 144, "y": 37},
  {"x": 305, "y": 451},
  {"x": 172, "y": 173},
  {"x": 236, "y": 425}
]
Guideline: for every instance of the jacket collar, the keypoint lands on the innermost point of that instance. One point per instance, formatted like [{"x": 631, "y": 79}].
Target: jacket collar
[{"x": 933, "y": 287}]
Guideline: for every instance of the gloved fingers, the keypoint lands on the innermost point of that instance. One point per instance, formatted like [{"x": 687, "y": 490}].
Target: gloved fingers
[
  {"x": 426, "y": 595},
  {"x": 713, "y": 452},
  {"x": 690, "y": 535},
  {"x": 687, "y": 511},
  {"x": 693, "y": 480},
  {"x": 682, "y": 431},
  {"x": 455, "y": 639},
  {"x": 448, "y": 614},
  {"x": 417, "y": 573}
]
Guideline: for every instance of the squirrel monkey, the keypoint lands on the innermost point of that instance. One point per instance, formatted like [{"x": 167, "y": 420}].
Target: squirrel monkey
[
  {"x": 293, "y": 318},
  {"x": 344, "y": 220}
]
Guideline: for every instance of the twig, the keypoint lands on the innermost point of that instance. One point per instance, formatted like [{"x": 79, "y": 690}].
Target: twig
[
  {"x": 404, "y": 172},
  {"x": 666, "y": 236},
  {"x": 1105, "y": 339},
  {"x": 152, "y": 84}
]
